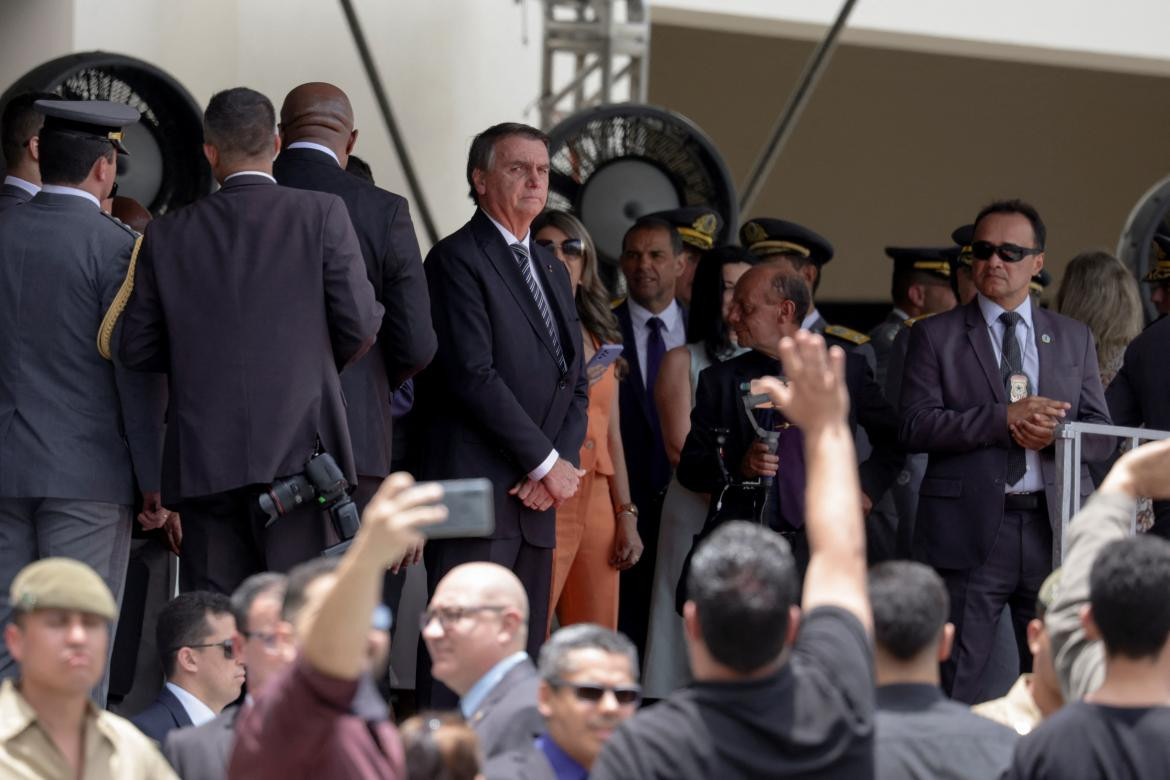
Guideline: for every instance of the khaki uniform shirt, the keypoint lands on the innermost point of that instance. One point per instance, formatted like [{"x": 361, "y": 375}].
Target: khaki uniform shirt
[
  {"x": 1017, "y": 710},
  {"x": 113, "y": 748}
]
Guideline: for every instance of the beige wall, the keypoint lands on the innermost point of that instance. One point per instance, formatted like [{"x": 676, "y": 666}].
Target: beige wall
[{"x": 899, "y": 147}]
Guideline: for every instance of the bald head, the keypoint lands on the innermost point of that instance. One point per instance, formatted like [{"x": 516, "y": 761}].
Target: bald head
[
  {"x": 490, "y": 583},
  {"x": 320, "y": 113}
]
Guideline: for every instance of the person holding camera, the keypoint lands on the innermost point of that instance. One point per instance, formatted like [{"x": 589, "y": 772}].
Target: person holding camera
[{"x": 252, "y": 300}]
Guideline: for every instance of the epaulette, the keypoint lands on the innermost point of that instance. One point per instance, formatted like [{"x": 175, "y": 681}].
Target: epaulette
[
  {"x": 847, "y": 334},
  {"x": 616, "y": 302},
  {"x": 118, "y": 305},
  {"x": 133, "y": 233},
  {"x": 909, "y": 323}
]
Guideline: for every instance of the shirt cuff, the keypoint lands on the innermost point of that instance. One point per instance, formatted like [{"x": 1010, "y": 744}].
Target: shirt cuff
[{"x": 545, "y": 467}]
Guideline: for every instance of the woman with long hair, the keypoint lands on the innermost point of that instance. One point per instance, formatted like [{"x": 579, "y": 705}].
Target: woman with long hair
[
  {"x": 1098, "y": 290},
  {"x": 597, "y": 529},
  {"x": 710, "y": 340}
]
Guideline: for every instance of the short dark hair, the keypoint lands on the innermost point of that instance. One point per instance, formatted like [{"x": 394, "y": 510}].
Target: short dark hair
[
  {"x": 240, "y": 122},
  {"x": 791, "y": 287},
  {"x": 183, "y": 623},
  {"x": 483, "y": 148},
  {"x": 262, "y": 584},
  {"x": 902, "y": 281},
  {"x": 554, "y": 653},
  {"x": 705, "y": 323},
  {"x": 67, "y": 158},
  {"x": 1127, "y": 589},
  {"x": 1024, "y": 209},
  {"x": 299, "y": 579},
  {"x": 20, "y": 123},
  {"x": 655, "y": 223},
  {"x": 439, "y": 745},
  {"x": 910, "y": 607},
  {"x": 743, "y": 582}
]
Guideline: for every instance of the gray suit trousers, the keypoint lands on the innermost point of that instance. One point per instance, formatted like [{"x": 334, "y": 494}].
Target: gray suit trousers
[{"x": 93, "y": 532}]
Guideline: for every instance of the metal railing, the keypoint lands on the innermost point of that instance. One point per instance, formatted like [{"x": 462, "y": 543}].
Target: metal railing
[{"x": 1068, "y": 465}]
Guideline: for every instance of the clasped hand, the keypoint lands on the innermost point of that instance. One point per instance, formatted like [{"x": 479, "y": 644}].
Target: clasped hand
[
  {"x": 1032, "y": 421},
  {"x": 558, "y": 486}
]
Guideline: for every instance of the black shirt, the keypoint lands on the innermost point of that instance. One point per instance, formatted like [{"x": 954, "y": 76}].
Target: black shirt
[
  {"x": 922, "y": 735},
  {"x": 813, "y": 718},
  {"x": 1086, "y": 740}
]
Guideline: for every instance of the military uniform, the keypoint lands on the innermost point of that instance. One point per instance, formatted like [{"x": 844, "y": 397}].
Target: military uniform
[
  {"x": 698, "y": 227},
  {"x": 917, "y": 265}
]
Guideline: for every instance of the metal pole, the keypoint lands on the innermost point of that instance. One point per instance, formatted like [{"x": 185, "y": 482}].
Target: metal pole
[
  {"x": 786, "y": 122},
  {"x": 412, "y": 181}
]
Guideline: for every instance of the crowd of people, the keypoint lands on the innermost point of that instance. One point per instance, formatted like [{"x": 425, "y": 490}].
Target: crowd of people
[{"x": 730, "y": 538}]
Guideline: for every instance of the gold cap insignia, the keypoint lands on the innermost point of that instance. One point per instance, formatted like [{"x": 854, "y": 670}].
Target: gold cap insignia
[
  {"x": 754, "y": 232},
  {"x": 706, "y": 224}
]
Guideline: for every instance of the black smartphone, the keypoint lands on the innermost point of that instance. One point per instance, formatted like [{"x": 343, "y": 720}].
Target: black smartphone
[{"x": 470, "y": 510}]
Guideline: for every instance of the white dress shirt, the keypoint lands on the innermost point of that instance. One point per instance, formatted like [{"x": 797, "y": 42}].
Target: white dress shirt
[
  {"x": 546, "y": 465},
  {"x": 315, "y": 147},
  {"x": 250, "y": 173},
  {"x": 197, "y": 711},
  {"x": 1033, "y": 479},
  {"x": 24, "y": 184},
  {"x": 810, "y": 319},
  {"x": 61, "y": 189},
  {"x": 674, "y": 332}
]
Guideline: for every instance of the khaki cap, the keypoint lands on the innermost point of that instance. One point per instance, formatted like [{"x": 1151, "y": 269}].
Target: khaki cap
[{"x": 61, "y": 583}]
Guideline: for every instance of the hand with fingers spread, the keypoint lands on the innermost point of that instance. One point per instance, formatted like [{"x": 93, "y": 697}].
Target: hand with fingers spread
[{"x": 815, "y": 395}]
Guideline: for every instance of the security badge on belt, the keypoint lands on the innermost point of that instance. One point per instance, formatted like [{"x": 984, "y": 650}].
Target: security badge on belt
[{"x": 1017, "y": 387}]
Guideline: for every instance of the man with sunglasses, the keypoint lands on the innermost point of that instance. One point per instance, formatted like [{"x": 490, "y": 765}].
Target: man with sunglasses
[
  {"x": 985, "y": 387},
  {"x": 588, "y": 687},
  {"x": 204, "y": 673}
]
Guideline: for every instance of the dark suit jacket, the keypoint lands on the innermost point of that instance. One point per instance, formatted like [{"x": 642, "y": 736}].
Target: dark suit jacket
[
  {"x": 494, "y": 402},
  {"x": 508, "y": 718},
  {"x": 165, "y": 714},
  {"x": 646, "y": 461},
  {"x": 252, "y": 300},
  {"x": 11, "y": 195},
  {"x": 954, "y": 406},
  {"x": 1140, "y": 393},
  {"x": 718, "y": 404},
  {"x": 202, "y": 752},
  {"x": 406, "y": 340},
  {"x": 72, "y": 424}
]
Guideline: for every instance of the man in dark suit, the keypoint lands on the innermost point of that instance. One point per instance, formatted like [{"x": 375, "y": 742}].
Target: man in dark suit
[
  {"x": 1140, "y": 394},
  {"x": 80, "y": 438},
  {"x": 252, "y": 300},
  {"x": 19, "y": 127},
  {"x": 506, "y": 395},
  {"x": 770, "y": 303},
  {"x": 196, "y": 645},
  {"x": 317, "y": 134},
  {"x": 652, "y": 323},
  {"x": 991, "y": 380}
]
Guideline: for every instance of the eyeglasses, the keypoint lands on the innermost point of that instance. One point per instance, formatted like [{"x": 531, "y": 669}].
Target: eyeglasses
[
  {"x": 227, "y": 645},
  {"x": 593, "y": 693},
  {"x": 268, "y": 640},
  {"x": 570, "y": 247},
  {"x": 983, "y": 250},
  {"x": 449, "y": 616}
]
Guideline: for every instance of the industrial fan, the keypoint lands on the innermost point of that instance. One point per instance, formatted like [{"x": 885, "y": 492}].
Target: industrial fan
[
  {"x": 166, "y": 168},
  {"x": 1151, "y": 215},
  {"x": 613, "y": 164}
]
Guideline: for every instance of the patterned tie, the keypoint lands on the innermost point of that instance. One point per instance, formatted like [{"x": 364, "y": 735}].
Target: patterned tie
[
  {"x": 1012, "y": 363},
  {"x": 655, "y": 351},
  {"x": 520, "y": 253}
]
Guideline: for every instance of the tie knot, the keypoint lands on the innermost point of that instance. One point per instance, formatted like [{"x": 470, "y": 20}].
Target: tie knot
[
  {"x": 655, "y": 324},
  {"x": 1010, "y": 318},
  {"x": 520, "y": 250}
]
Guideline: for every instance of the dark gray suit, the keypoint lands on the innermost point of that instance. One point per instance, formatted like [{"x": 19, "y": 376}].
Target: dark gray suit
[
  {"x": 76, "y": 432},
  {"x": 954, "y": 407},
  {"x": 203, "y": 752},
  {"x": 165, "y": 714},
  {"x": 508, "y": 719},
  {"x": 11, "y": 195}
]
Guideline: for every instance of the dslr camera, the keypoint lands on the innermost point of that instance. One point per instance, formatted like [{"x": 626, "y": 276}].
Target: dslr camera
[{"x": 322, "y": 484}]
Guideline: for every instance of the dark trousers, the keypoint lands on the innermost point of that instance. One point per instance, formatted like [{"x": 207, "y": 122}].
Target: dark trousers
[
  {"x": 1017, "y": 565},
  {"x": 533, "y": 565},
  {"x": 225, "y": 539}
]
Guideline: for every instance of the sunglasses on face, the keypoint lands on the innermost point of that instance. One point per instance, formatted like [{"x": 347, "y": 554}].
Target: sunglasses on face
[
  {"x": 1010, "y": 253},
  {"x": 570, "y": 247},
  {"x": 227, "y": 645},
  {"x": 592, "y": 693}
]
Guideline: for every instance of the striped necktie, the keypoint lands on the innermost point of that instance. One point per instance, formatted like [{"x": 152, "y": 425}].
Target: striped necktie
[{"x": 520, "y": 254}]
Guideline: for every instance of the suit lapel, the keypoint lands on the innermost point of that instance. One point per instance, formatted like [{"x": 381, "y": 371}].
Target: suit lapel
[
  {"x": 980, "y": 343},
  {"x": 634, "y": 379},
  {"x": 504, "y": 263},
  {"x": 175, "y": 707}
]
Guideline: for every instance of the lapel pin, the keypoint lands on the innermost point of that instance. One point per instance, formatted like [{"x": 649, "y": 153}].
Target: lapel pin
[{"x": 1046, "y": 338}]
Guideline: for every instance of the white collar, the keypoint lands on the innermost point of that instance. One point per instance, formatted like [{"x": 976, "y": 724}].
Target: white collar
[
  {"x": 991, "y": 310},
  {"x": 61, "y": 189},
  {"x": 24, "y": 184},
  {"x": 197, "y": 711},
  {"x": 316, "y": 147},
  {"x": 671, "y": 316},
  {"x": 250, "y": 173},
  {"x": 810, "y": 319},
  {"x": 901, "y": 314},
  {"x": 507, "y": 234}
]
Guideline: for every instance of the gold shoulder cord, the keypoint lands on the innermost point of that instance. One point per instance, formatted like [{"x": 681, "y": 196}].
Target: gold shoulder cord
[{"x": 106, "y": 331}]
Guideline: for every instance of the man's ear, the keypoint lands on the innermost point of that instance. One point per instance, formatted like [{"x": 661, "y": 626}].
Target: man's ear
[
  {"x": 185, "y": 660},
  {"x": 1034, "y": 631},
  {"x": 787, "y": 311},
  {"x": 275, "y": 145},
  {"x": 691, "y": 621},
  {"x": 543, "y": 695},
  {"x": 946, "y": 642},
  {"x": 34, "y": 148},
  {"x": 1092, "y": 633},
  {"x": 212, "y": 155},
  {"x": 478, "y": 179},
  {"x": 793, "y": 617},
  {"x": 917, "y": 295},
  {"x": 352, "y": 142},
  {"x": 14, "y": 639}
]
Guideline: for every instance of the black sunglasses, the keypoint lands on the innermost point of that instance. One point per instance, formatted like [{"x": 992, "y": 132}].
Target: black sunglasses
[
  {"x": 570, "y": 247},
  {"x": 228, "y": 647},
  {"x": 590, "y": 692},
  {"x": 983, "y": 250}
]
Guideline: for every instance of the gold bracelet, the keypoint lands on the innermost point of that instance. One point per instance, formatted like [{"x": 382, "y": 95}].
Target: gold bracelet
[{"x": 626, "y": 509}]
